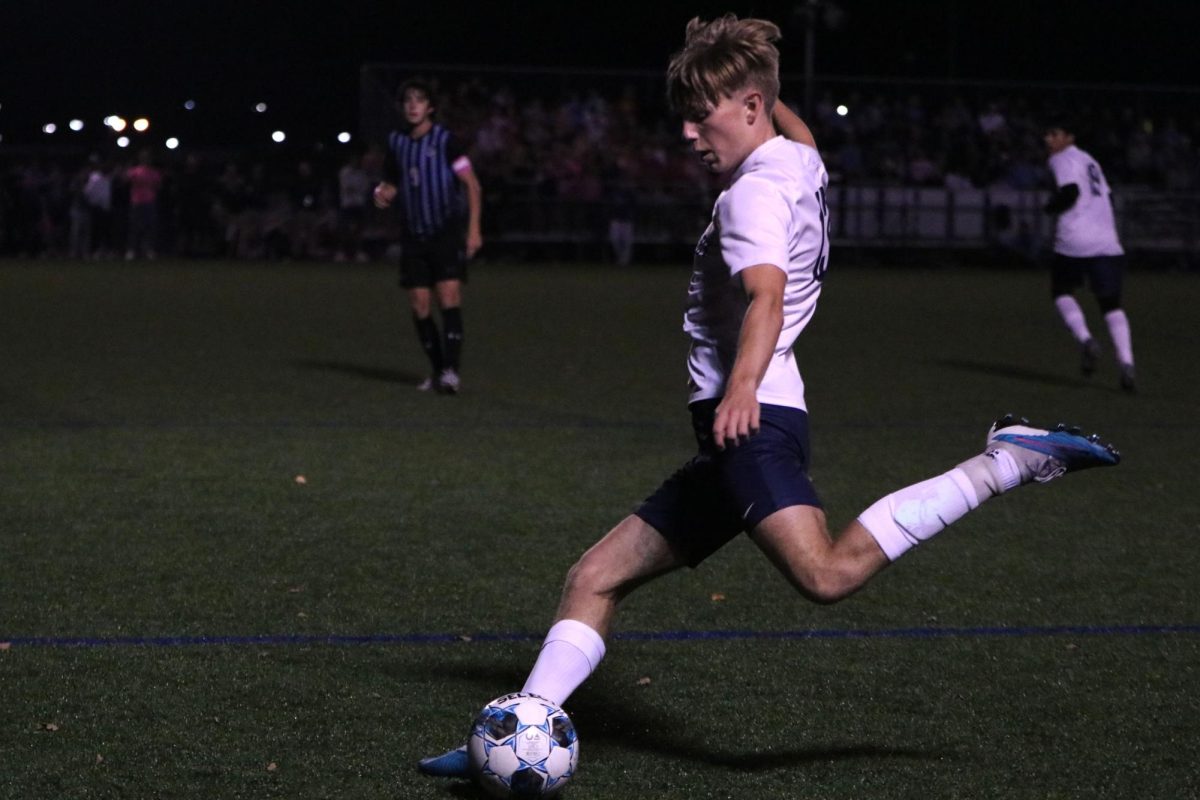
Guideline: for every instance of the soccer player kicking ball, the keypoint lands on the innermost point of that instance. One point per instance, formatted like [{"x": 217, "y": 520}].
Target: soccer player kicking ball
[{"x": 758, "y": 271}]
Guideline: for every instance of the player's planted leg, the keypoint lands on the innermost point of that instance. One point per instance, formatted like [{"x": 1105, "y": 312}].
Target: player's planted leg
[{"x": 631, "y": 554}]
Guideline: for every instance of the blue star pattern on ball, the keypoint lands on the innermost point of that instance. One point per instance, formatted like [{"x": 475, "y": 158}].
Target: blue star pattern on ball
[{"x": 522, "y": 745}]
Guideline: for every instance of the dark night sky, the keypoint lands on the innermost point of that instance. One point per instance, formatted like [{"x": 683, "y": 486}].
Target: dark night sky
[{"x": 59, "y": 59}]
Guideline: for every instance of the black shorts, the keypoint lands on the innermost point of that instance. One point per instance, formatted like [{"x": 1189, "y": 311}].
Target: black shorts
[
  {"x": 441, "y": 257},
  {"x": 1103, "y": 274},
  {"x": 721, "y": 493}
]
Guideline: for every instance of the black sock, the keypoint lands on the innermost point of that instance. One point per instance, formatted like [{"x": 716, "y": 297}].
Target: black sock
[
  {"x": 431, "y": 342},
  {"x": 453, "y": 328}
]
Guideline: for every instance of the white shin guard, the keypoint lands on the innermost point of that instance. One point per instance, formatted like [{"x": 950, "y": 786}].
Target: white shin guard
[{"x": 904, "y": 519}]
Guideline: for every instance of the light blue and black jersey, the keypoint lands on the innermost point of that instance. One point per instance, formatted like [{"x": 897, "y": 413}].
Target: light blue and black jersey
[{"x": 430, "y": 192}]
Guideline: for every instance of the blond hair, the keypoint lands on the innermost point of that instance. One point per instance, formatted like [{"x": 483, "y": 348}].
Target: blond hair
[{"x": 720, "y": 58}]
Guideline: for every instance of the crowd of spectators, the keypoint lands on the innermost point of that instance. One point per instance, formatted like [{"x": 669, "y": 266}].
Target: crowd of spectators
[
  {"x": 587, "y": 160},
  {"x": 228, "y": 205}
]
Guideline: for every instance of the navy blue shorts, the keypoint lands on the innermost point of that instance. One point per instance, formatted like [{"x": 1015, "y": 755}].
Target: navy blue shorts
[
  {"x": 1103, "y": 275},
  {"x": 721, "y": 493}
]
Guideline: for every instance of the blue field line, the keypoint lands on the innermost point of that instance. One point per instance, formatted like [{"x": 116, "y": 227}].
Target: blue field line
[{"x": 635, "y": 636}]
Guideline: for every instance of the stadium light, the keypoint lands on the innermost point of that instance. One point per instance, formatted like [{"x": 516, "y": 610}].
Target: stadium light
[
  {"x": 278, "y": 136},
  {"x": 75, "y": 124},
  {"x": 115, "y": 122},
  {"x": 122, "y": 141},
  {"x": 141, "y": 124},
  {"x": 189, "y": 105},
  {"x": 842, "y": 111},
  {"x": 344, "y": 137},
  {"x": 49, "y": 127},
  {"x": 260, "y": 107},
  {"x": 172, "y": 143}
]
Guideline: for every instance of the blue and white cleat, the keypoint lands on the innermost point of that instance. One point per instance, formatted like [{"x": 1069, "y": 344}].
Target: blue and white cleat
[
  {"x": 1043, "y": 455},
  {"x": 451, "y": 764}
]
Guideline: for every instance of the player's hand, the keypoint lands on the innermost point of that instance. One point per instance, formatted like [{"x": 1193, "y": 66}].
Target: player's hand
[
  {"x": 383, "y": 195},
  {"x": 737, "y": 418},
  {"x": 474, "y": 242}
]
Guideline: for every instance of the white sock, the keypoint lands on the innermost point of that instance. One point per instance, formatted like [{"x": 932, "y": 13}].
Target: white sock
[
  {"x": 570, "y": 653},
  {"x": 1118, "y": 331},
  {"x": 992, "y": 472},
  {"x": 1072, "y": 314},
  {"x": 904, "y": 519}
]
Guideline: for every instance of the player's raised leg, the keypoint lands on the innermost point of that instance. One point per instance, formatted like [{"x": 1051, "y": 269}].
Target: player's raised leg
[
  {"x": 823, "y": 569},
  {"x": 826, "y": 570},
  {"x": 1015, "y": 453}
]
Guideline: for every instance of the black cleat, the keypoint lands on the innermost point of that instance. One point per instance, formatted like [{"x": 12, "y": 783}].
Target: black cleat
[
  {"x": 1127, "y": 379},
  {"x": 1089, "y": 354}
]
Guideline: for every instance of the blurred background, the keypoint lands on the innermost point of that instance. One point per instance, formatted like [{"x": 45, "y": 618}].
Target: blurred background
[{"x": 267, "y": 120}]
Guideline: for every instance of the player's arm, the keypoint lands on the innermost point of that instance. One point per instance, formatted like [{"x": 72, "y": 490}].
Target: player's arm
[
  {"x": 791, "y": 126},
  {"x": 465, "y": 173},
  {"x": 1062, "y": 199},
  {"x": 738, "y": 413},
  {"x": 385, "y": 192}
]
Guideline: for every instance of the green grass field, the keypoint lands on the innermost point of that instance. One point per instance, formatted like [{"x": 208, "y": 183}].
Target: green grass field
[{"x": 157, "y": 549}]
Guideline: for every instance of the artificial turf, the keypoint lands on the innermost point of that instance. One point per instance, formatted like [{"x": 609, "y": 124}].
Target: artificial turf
[{"x": 241, "y": 557}]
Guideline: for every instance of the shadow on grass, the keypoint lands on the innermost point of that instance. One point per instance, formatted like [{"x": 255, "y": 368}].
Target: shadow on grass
[
  {"x": 620, "y": 724},
  {"x": 1011, "y": 371},
  {"x": 361, "y": 371},
  {"x": 617, "y": 724}
]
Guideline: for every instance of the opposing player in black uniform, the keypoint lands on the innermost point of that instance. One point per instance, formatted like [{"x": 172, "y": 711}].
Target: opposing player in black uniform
[{"x": 428, "y": 170}]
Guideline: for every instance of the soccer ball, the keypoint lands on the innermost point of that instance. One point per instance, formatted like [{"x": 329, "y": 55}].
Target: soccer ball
[{"x": 522, "y": 745}]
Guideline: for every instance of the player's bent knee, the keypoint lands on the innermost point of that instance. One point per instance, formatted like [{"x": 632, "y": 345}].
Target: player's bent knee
[
  {"x": 591, "y": 575},
  {"x": 826, "y": 584},
  {"x": 827, "y": 588}
]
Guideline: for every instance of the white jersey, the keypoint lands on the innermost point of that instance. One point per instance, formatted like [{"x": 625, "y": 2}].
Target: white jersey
[
  {"x": 772, "y": 212},
  {"x": 1087, "y": 228}
]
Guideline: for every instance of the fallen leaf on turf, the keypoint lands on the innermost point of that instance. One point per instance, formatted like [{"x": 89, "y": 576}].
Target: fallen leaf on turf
[
  {"x": 300, "y": 479},
  {"x": 718, "y": 597},
  {"x": 272, "y": 767},
  {"x": 295, "y": 589},
  {"x": 50, "y": 726},
  {"x": 99, "y": 758},
  {"x": 643, "y": 682},
  {"x": 464, "y": 638},
  {"x": 5, "y": 646}
]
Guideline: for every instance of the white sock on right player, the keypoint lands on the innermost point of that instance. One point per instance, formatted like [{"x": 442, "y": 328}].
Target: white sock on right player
[
  {"x": 1071, "y": 313},
  {"x": 571, "y": 652},
  {"x": 1118, "y": 330}
]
